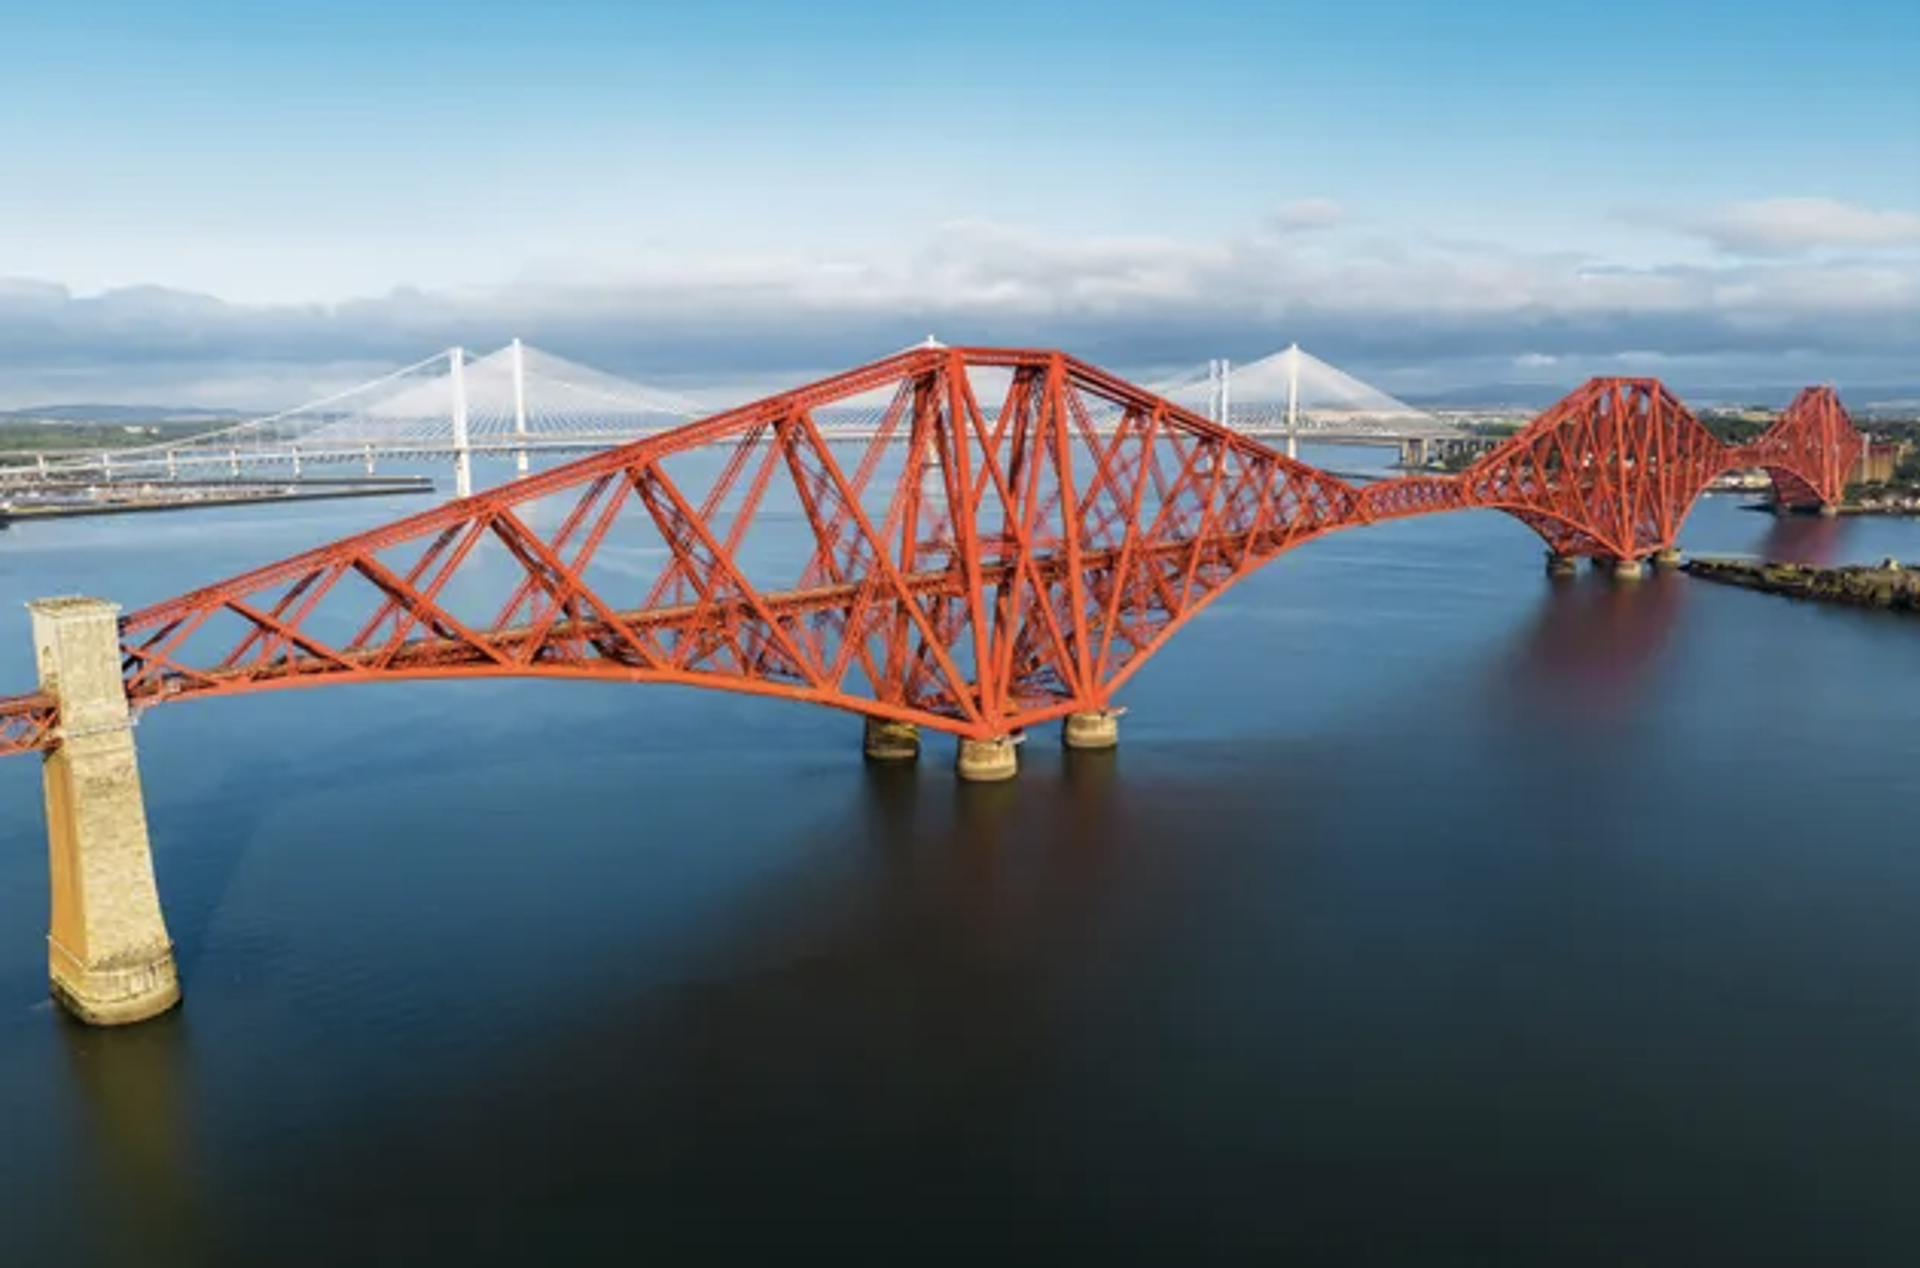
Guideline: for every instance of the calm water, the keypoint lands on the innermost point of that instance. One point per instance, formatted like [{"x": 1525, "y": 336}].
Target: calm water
[{"x": 1430, "y": 913}]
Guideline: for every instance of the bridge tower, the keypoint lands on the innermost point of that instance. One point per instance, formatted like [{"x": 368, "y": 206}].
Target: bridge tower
[
  {"x": 517, "y": 360},
  {"x": 462, "y": 442},
  {"x": 1220, "y": 391},
  {"x": 109, "y": 957},
  {"x": 1293, "y": 401}
]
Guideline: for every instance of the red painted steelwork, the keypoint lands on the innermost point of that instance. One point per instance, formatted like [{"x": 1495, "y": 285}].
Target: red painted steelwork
[
  {"x": 1612, "y": 470},
  {"x": 27, "y": 723},
  {"x": 1609, "y": 471},
  {"x": 1811, "y": 452},
  {"x": 1029, "y": 554}
]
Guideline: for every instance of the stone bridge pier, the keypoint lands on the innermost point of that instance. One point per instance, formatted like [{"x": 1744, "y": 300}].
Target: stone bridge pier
[{"x": 108, "y": 954}]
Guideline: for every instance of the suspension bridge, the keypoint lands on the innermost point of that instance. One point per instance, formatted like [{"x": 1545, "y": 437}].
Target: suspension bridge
[{"x": 521, "y": 403}]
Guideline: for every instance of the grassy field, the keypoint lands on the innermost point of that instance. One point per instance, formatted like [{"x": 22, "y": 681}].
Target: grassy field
[{"x": 21, "y": 436}]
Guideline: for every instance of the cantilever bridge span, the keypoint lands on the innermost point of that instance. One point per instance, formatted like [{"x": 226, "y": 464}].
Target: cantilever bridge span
[{"x": 1043, "y": 530}]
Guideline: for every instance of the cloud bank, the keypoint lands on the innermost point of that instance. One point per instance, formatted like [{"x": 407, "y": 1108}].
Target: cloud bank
[
  {"x": 1409, "y": 314},
  {"x": 1781, "y": 226}
]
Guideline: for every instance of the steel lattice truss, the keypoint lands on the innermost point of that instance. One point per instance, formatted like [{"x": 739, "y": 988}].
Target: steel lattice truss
[
  {"x": 1611, "y": 470},
  {"x": 1811, "y": 452},
  {"x": 27, "y": 723},
  {"x": 1044, "y": 528}
]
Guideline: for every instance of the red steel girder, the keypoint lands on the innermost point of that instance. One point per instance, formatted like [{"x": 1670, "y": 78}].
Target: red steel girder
[
  {"x": 1412, "y": 495},
  {"x": 27, "y": 724},
  {"x": 1811, "y": 451},
  {"x": 1030, "y": 552},
  {"x": 1613, "y": 469},
  {"x": 1018, "y": 537}
]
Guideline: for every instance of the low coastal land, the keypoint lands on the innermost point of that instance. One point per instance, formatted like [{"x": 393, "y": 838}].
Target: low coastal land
[
  {"x": 1887, "y": 585},
  {"x": 22, "y": 504}
]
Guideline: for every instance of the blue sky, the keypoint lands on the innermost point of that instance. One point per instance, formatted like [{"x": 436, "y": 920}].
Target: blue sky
[{"x": 207, "y": 195}]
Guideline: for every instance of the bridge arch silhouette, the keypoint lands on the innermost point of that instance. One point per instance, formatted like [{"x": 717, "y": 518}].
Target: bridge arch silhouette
[{"x": 1017, "y": 538}]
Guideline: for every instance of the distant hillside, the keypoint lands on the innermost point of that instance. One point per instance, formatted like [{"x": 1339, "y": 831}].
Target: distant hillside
[
  {"x": 1489, "y": 396},
  {"x": 117, "y": 414},
  {"x": 1492, "y": 397},
  {"x": 1537, "y": 396}
]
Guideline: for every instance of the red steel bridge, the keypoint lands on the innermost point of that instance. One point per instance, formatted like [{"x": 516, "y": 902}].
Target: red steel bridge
[{"x": 1043, "y": 530}]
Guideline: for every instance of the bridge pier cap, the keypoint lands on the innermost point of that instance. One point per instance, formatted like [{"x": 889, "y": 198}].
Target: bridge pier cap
[
  {"x": 1099, "y": 729},
  {"x": 988, "y": 761},
  {"x": 889, "y": 741},
  {"x": 110, "y": 961}
]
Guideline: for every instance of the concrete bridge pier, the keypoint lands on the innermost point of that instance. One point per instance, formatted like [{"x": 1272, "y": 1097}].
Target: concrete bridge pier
[
  {"x": 988, "y": 761},
  {"x": 890, "y": 741},
  {"x": 1099, "y": 729},
  {"x": 1559, "y": 565},
  {"x": 1829, "y": 510},
  {"x": 1627, "y": 569},
  {"x": 110, "y": 959},
  {"x": 1667, "y": 560}
]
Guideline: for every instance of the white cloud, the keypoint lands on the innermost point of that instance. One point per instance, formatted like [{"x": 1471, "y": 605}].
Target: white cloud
[
  {"x": 1426, "y": 310},
  {"x": 1306, "y": 214},
  {"x": 1777, "y": 226}
]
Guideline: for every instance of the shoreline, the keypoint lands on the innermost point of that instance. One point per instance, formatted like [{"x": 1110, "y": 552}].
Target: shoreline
[
  {"x": 1886, "y": 586},
  {"x": 1845, "y": 508},
  {"x": 82, "y": 510}
]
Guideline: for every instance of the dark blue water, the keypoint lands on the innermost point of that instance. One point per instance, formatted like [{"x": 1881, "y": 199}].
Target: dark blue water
[{"x": 1430, "y": 913}]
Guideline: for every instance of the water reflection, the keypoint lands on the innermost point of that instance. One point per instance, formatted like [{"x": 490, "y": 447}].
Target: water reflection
[
  {"x": 1089, "y": 775},
  {"x": 1804, "y": 539},
  {"x": 823, "y": 1063},
  {"x": 1110, "y": 1010},
  {"x": 892, "y": 798},
  {"x": 132, "y": 1085},
  {"x": 1597, "y": 638},
  {"x": 981, "y": 810}
]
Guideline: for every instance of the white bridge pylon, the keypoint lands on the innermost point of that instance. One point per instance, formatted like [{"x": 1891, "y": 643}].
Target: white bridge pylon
[
  {"x": 521, "y": 401},
  {"x": 518, "y": 400},
  {"x": 1292, "y": 392}
]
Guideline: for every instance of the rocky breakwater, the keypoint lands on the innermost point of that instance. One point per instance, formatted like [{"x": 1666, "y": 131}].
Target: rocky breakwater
[{"x": 1883, "y": 585}]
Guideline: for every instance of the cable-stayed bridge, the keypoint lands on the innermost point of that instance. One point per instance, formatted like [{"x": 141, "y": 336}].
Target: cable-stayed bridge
[
  {"x": 1294, "y": 394},
  {"x": 521, "y": 402},
  {"x": 518, "y": 401}
]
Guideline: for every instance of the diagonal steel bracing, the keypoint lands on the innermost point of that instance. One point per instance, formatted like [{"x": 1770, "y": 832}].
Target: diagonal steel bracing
[{"x": 1044, "y": 528}]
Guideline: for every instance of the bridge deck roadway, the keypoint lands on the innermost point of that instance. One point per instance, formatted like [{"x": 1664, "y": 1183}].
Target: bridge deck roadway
[{"x": 146, "y": 463}]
